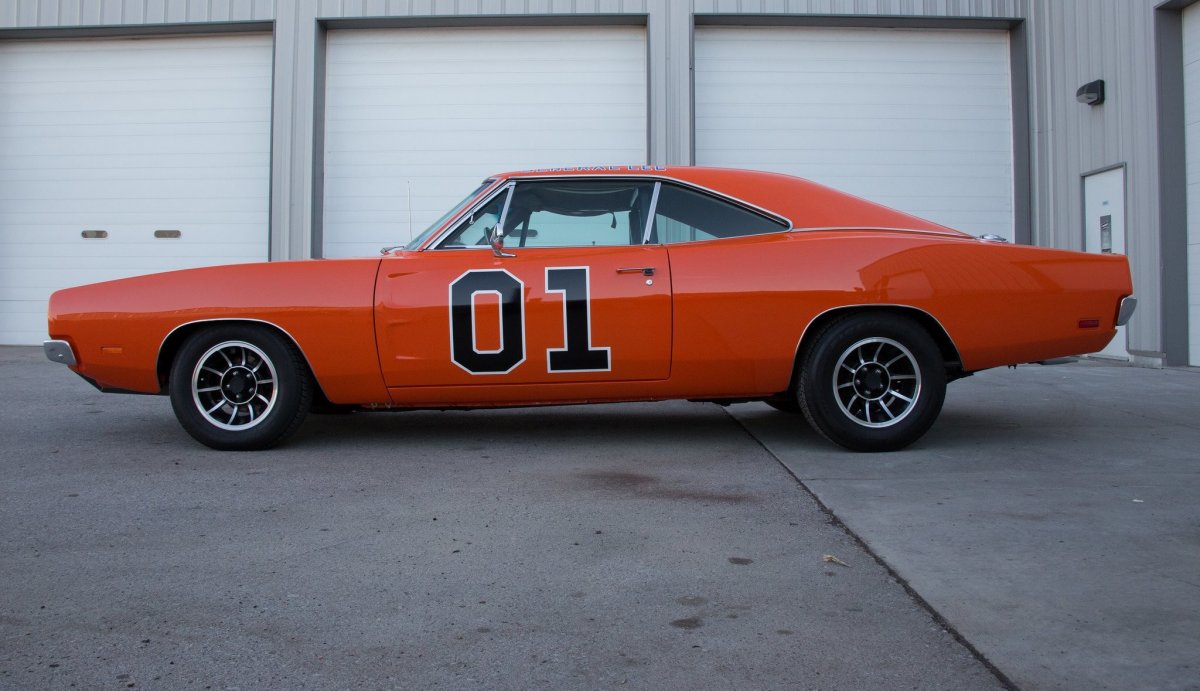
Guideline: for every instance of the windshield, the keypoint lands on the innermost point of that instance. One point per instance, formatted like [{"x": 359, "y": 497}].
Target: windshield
[{"x": 417, "y": 241}]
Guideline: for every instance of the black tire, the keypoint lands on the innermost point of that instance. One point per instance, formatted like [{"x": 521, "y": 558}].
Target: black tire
[
  {"x": 785, "y": 405},
  {"x": 872, "y": 382},
  {"x": 240, "y": 387}
]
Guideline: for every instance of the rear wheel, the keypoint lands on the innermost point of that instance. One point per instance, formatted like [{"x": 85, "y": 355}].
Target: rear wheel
[
  {"x": 240, "y": 387},
  {"x": 872, "y": 382}
]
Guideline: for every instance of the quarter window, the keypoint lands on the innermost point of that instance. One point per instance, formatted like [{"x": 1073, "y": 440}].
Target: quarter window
[{"x": 684, "y": 215}]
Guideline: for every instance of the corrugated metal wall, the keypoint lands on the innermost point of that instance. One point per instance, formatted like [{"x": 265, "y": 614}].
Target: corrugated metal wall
[
  {"x": 1069, "y": 42},
  {"x": 62, "y": 13},
  {"x": 1073, "y": 42},
  {"x": 889, "y": 8}
]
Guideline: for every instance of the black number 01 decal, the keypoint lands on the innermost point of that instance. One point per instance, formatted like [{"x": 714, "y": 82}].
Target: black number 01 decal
[{"x": 577, "y": 353}]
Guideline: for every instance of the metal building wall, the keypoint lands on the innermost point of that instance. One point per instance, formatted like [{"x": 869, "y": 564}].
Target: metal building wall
[
  {"x": 1069, "y": 42},
  {"x": 1073, "y": 42},
  {"x": 77, "y": 13}
]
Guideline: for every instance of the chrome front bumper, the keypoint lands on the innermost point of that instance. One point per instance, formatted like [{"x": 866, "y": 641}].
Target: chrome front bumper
[
  {"x": 1125, "y": 311},
  {"x": 59, "y": 351}
]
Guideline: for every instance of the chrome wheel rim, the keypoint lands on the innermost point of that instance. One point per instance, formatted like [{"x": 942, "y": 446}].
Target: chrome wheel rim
[
  {"x": 234, "y": 385},
  {"x": 877, "y": 382}
]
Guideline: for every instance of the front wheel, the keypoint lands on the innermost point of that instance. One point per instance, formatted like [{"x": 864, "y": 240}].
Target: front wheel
[
  {"x": 872, "y": 382},
  {"x": 240, "y": 388}
]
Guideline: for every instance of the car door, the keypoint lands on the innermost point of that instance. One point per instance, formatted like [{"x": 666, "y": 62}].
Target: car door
[{"x": 575, "y": 295}]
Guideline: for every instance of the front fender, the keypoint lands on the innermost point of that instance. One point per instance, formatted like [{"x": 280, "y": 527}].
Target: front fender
[{"x": 117, "y": 328}]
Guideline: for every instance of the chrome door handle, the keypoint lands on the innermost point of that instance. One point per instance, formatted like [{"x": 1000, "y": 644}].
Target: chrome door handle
[{"x": 643, "y": 270}]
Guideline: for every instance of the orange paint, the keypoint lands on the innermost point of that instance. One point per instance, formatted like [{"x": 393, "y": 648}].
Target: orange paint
[{"x": 718, "y": 318}]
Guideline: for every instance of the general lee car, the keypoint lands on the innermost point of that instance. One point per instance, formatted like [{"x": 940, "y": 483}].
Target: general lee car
[{"x": 614, "y": 283}]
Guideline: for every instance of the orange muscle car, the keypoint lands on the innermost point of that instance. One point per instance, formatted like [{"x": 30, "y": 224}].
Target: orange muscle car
[{"x": 612, "y": 283}]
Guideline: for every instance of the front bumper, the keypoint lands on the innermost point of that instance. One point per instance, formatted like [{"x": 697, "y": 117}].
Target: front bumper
[{"x": 59, "y": 351}]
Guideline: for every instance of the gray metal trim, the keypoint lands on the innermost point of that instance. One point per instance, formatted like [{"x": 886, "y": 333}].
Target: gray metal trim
[
  {"x": 130, "y": 30},
  {"x": 950, "y": 234},
  {"x": 317, "y": 209},
  {"x": 59, "y": 351},
  {"x": 1022, "y": 124},
  {"x": 1172, "y": 183},
  {"x": 855, "y": 21},
  {"x": 509, "y": 189},
  {"x": 650, "y": 212},
  {"x": 486, "y": 20}
]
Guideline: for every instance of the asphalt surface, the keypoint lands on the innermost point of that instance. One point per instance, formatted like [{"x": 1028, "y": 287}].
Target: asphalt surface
[
  {"x": 1052, "y": 517},
  {"x": 625, "y": 546}
]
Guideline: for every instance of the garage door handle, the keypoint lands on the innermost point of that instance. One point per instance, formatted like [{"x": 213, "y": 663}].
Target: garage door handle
[
  {"x": 643, "y": 270},
  {"x": 94, "y": 234}
]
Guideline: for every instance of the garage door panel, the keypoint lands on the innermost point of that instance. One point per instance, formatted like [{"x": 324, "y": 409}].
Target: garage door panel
[
  {"x": 364, "y": 129},
  {"x": 886, "y": 87},
  {"x": 856, "y": 139},
  {"x": 808, "y": 110},
  {"x": 854, "y": 120},
  {"x": 427, "y": 113},
  {"x": 862, "y": 163},
  {"x": 67, "y": 241},
  {"x": 18, "y": 319},
  {"x": 128, "y": 136},
  {"x": 918, "y": 120},
  {"x": 140, "y": 103},
  {"x": 94, "y": 192},
  {"x": 164, "y": 145},
  {"x": 850, "y": 46},
  {"x": 144, "y": 134}
]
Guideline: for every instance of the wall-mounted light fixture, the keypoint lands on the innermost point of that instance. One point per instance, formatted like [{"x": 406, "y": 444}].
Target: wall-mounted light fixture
[{"x": 1091, "y": 93}]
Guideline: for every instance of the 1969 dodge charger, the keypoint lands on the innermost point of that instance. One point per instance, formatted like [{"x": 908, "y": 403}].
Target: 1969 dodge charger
[{"x": 612, "y": 283}]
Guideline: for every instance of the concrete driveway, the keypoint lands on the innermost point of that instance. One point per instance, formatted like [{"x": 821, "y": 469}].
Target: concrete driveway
[
  {"x": 1052, "y": 516},
  {"x": 1047, "y": 527},
  {"x": 629, "y": 546}
]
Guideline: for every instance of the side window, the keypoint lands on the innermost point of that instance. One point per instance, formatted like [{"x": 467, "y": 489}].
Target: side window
[
  {"x": 684, "y": 215},
  {"x": 577, "y": 213},
  {"x": 472, "y": 231}
]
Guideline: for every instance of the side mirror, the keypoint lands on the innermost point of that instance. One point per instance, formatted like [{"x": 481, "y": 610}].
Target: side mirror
[{"x": 495, "y": 238}]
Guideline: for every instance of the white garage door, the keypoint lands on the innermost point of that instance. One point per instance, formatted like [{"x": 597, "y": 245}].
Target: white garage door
[
  {"x": 109, "y": 148},
  {"x": 1191, "y": 79},
  {"x": 423, "y": 115},
  {"x": 919, "y": 120}
]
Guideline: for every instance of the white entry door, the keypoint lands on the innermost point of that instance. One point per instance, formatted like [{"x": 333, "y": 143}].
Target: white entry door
[{"x": 1104, "y": 231}]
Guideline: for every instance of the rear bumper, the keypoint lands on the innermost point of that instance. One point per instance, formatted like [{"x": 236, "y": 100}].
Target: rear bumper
[
  {"x": 59, "y": 351},
  {"x": 1125, "y": 311}
]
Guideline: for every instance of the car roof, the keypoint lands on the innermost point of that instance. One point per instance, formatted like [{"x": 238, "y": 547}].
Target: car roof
[{"x": 807, "y": 204}]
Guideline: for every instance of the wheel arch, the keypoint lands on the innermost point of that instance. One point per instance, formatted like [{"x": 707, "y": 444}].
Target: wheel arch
[
  {"x": 180, "y": 334},
  {"x": 925, "y": 320}
]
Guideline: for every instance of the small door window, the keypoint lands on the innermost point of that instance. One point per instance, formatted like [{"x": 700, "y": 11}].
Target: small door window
[{"x": 473, "y": 230}]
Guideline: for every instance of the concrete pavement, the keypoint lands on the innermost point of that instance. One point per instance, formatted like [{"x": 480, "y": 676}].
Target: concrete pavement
[
  {"x": 1052, "y": 516},
  {"x": 631, "y": 546}
]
